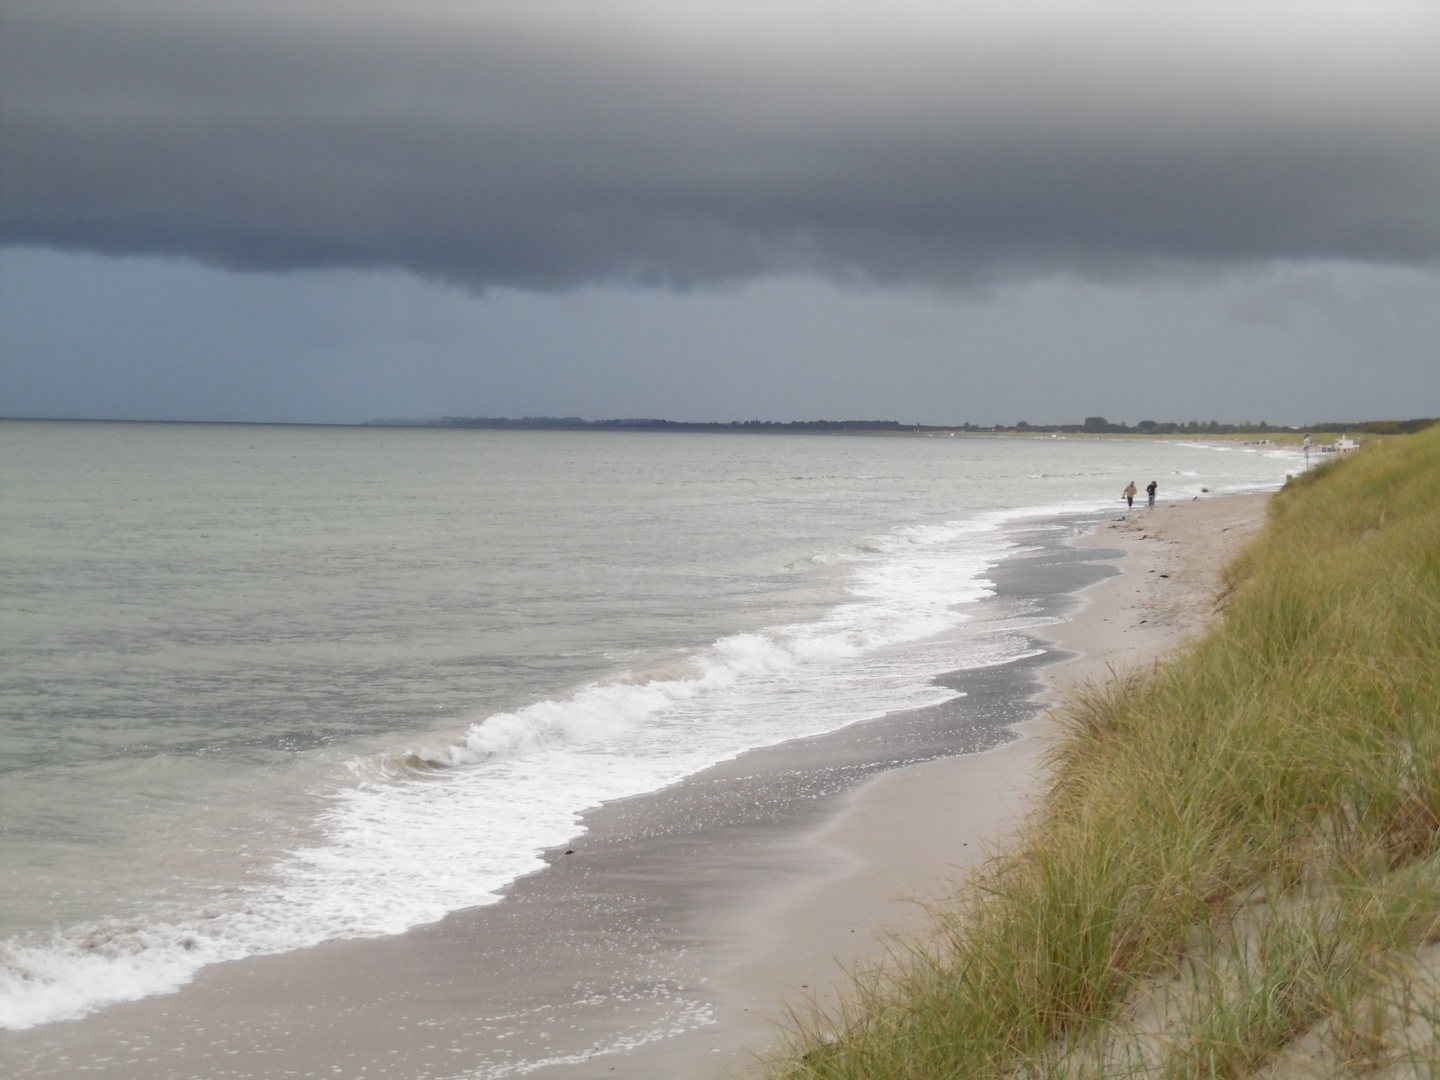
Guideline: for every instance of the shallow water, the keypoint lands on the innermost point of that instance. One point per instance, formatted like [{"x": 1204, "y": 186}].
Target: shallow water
[{"x": 265, "y": 686}]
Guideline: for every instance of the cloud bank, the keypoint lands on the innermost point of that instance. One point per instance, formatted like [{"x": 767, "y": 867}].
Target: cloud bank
[{"x": 553, "y": 143}]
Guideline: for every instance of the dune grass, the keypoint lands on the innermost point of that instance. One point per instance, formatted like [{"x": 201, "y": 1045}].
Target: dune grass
[{"x": 1238, "y": 851}]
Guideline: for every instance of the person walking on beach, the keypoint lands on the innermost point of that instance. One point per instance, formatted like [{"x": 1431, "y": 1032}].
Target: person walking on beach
[
  {"x": 1150, "y": 488},
  {"x": 1129, "y": 495}
]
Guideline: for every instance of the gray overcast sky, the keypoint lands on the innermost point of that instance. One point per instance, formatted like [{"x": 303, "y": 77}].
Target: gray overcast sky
[{"x": 337, "y": 209}]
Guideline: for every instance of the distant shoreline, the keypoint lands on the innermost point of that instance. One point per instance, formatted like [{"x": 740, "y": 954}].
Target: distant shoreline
[{"x": 1093, "y": 426}]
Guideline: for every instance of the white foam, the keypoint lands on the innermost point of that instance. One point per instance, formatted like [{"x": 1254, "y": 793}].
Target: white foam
[{"x": 681, "y": 1016}]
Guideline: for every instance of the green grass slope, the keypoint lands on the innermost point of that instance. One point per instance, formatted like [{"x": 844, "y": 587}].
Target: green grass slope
[{"x": 1238, "y": 849}]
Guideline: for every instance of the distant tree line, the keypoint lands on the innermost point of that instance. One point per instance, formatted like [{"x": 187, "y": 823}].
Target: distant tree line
[
  {"x": 1094, "y": 425},
  {"x": 567, "y": 423}
]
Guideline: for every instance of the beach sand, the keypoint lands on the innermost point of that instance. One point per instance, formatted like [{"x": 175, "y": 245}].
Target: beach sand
[
  {"x": 695, "y": 914},
  {"x": 906, "y": 836}
]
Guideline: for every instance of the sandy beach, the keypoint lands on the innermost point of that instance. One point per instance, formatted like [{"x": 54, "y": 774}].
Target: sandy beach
[
  {"x": 695, "y": 915},
  {"x": 906, "y": 835}
]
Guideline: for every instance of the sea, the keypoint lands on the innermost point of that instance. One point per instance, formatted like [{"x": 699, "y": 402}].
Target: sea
[{"x": 263, "y": 687}]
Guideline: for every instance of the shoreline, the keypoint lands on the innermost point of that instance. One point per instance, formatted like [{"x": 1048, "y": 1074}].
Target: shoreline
[
  {"x": 690, "y": 910},
  {"x": 907, "y": 835}
]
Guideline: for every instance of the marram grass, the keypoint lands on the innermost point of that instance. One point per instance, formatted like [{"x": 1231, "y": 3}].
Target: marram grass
[{"x": 1237, "y": 858}]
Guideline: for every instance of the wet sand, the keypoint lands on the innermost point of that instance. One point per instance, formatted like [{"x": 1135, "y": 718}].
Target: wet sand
[{"x": 666, "y": 944}]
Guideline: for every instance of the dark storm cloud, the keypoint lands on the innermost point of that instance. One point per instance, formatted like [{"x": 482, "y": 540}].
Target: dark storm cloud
[{"x": 551, "y": 143}]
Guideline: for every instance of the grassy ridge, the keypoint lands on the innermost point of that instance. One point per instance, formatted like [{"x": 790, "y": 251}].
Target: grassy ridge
[{"x": 1237, "y": 849}]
